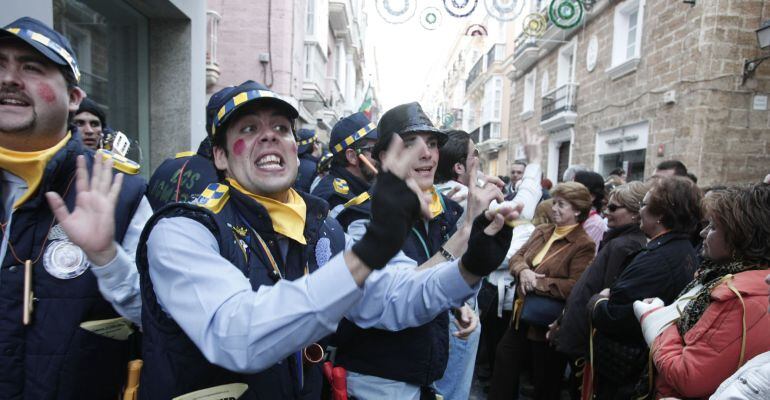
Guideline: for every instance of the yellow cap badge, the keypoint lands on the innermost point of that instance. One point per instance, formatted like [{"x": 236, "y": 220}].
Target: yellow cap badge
[
  {"x": 214, "y": 197},
  {"x": 340, "y": 186}
]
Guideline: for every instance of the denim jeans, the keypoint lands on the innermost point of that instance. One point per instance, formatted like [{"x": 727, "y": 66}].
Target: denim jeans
[{"x": 458, "y": 376}]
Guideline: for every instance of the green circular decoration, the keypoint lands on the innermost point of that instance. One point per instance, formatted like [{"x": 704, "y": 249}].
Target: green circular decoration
[{"x": 565, "y": 14}]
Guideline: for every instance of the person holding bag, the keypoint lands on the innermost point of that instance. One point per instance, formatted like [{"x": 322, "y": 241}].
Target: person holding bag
[{"x": 546, "y": 268}]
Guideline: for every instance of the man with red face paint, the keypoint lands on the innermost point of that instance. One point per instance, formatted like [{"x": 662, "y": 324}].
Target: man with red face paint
[
  {"x": 64, "y": 281},
  {"x": 240, "y": 284}
]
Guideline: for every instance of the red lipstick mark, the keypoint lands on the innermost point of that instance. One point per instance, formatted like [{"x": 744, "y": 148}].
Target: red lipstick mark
[
  {"x": 238, "y": 147},
  {"x": 45, "y": 91}
]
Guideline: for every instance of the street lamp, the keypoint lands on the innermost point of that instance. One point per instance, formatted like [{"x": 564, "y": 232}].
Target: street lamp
[{"x": 763, "y": 38}]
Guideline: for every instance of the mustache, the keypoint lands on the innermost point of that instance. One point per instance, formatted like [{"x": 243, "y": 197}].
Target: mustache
[{"x": 6, "y": 91}]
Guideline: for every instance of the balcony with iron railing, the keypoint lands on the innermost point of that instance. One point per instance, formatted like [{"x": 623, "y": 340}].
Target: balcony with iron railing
[
  {"x": 474, "y": 72},
  {"x": 495, "y": 54},
  {"x": 525, "y": 53},
  {"x": 559, "y": 108}
]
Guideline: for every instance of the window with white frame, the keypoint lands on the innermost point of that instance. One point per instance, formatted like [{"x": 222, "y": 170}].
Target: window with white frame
[
  {"x": 565, "y": 69},
  {"x": 310, "y": 18},
  {"x": 528, "y": 105},
  {"x": 627, "y": 35},
  {"x": 493, "y": 96}
]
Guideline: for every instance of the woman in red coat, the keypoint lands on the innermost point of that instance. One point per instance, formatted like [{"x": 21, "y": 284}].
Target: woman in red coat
[{"x": 724, "y": 319}]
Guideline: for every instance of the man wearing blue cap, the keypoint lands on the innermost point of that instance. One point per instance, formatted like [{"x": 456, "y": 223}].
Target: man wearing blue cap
[
  {"x": 64, "y": 281},
  {"x": 352, "y": 169},
  {"x": 239, "y": 284},
  {"x": 309, "y": 150}
]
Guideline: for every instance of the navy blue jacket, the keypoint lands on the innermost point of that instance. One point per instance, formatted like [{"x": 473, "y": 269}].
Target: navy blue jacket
[
  {"x": 414, "y": 355},
  {"x": 339, "y": 186},
  {"x": 53, "y": 358},
  {"x": 306, "y": 172},
  {"x": 173, "y": 365}
]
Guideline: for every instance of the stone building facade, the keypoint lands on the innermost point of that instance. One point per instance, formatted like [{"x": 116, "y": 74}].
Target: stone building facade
[
  {"x": 643, "y": 81},
  {"x": 309, "y": 51}
]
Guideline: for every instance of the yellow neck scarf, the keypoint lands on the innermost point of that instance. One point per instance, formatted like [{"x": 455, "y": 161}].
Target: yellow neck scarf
[
  {"x": 436, "y": 208},
  {"x": 288, "y": 218},
  {"x": 29, "y": 165},
  {"x": 558, "y": 233}
]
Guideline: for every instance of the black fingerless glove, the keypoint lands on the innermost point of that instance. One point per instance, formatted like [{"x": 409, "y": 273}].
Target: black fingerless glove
[
  {"x": 395, "y": 207},
  {"x": 485, "y": 253}
]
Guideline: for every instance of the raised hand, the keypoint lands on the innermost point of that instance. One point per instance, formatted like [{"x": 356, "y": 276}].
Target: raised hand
[
  {"x": 400, "y": 160},
  {"x": 532, "y": 143},
  {"x": 91, "y": 225},
  {"x": 481, "y": 192}
]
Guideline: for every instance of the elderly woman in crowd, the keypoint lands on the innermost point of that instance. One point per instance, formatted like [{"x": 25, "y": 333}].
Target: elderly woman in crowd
[
  {"x": 620, "y": 243},
  {"x": 724, "y": 318},
  {"x": 546, "y": 268},
  {"x": 669, "y": 213}
]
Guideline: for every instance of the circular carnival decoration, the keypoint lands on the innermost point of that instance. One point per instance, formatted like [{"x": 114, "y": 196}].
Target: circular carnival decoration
[
  {"x": 565, "y": 14},
  {"x": 461, "y": 8},
  {"x": 448, "y": 120},
  {"x": 535, "y": 24},
  {"x": 476, "y": 30},
  {"x": 504, "y": 10},
  {"x": 430, "y": 18},
  {"x": 399, "y": 13}
]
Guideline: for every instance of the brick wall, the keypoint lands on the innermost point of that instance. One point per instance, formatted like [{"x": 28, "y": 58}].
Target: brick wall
[{"x": 698, "y": 51}]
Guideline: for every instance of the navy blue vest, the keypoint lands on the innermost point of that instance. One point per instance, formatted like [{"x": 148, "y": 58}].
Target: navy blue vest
[
  {"x": 306, "y": 172},
  {"x": 173, "y": 365},
  {"x": 180, "y": 180},
  {"x": 414, "y": 355},
  {"x": 53, "y": 358}
]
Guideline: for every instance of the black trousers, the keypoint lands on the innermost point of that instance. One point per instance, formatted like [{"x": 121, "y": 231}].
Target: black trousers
[{"x": 513, "y": 352}]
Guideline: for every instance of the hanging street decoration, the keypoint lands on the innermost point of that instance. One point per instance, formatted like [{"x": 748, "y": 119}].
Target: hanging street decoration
[
  {"x": 476, "y": 30},
  {"x": 460, "y": 8},
  {"x": 504, "y": 10},
  {"x": 535, "y": 24},
  {"x": 396, "y": 11},
  {"x": 565, "y": 14},
  {"x": 430, "y": 18}
]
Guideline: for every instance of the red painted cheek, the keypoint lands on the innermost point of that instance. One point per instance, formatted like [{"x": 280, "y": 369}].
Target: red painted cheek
[
  {"x": 238, "y": 147},
  {"x": 46, "y": 93}
]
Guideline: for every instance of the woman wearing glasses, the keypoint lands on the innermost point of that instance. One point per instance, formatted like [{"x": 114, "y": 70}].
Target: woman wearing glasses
[
  {"x": 669, "y": 214},
  {"x": 620, "y": 243}
]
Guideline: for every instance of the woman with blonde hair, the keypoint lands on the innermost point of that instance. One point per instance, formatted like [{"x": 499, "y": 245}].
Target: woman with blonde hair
[
  {"x": 622, "y": 241},
  {"x": 546, "y": 268}
]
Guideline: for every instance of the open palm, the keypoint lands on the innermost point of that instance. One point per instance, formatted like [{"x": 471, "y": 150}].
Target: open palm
[{"x": 91, "y": 225}]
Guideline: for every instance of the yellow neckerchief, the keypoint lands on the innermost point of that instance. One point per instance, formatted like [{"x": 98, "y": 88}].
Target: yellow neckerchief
[
  {"x": 29, "y": 165},
  {"x": 558, "y": 233},
  {"x": 288, "y": 218},
  {"x": 436, "y": 206}
]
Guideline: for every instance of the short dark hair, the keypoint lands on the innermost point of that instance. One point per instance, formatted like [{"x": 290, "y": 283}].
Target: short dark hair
[
  {"x": 594, "y": 183},
  {"x": 455, "y": 150},
  {"x": 677, "y": 201},
  {"x": 618, "y": 172},
  {"x": 519, "y": 162},
  {"x": 678, "y": 167},
  {"x": 743, "y": 213}
]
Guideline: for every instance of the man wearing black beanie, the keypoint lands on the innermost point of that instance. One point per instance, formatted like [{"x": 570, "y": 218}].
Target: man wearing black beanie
[{"x": 90, "y": 120}]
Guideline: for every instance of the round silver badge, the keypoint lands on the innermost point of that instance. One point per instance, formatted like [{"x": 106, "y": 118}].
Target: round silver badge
[{"x": 64, "y": 260}]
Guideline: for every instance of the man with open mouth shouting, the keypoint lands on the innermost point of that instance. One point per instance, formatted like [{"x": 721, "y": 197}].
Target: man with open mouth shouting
[{"x": 238, "y": 285}]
